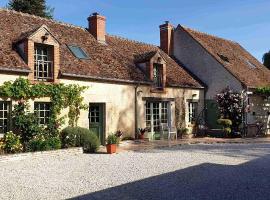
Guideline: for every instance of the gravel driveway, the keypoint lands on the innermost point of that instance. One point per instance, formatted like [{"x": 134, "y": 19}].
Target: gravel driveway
[{"x": 222, "y": 171}]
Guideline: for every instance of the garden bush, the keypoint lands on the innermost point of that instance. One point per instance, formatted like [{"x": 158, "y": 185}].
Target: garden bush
[
  {"x": 41, "y": 143},
  {"x": 79, "y": 137},
  {"x": 12, "y": 143}
]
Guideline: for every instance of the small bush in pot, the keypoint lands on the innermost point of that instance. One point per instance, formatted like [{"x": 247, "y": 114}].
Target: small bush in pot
[
  {"x": 226, "y": 123},
  {"x": 111, "y": 143}
]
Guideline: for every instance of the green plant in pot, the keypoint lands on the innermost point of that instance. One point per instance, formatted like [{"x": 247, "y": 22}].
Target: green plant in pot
[
  {"x": 111, "y": 143},
  {"x": 226, "y": 123}
]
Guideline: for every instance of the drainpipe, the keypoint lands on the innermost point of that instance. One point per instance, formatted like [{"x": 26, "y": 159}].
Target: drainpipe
[{"x": 136, "y": 111}]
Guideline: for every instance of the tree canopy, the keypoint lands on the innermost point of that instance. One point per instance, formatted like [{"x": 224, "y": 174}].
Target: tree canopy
[
  {"x": 266, "y": 59},
  {"x": 33, "y": 7}
]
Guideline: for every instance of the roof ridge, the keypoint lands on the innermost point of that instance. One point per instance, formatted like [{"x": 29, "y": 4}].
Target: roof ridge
[
  {"x": 211, "y": 35},
  {"x": 131, "y": 40},
  {"x": 43, "y": 18}
]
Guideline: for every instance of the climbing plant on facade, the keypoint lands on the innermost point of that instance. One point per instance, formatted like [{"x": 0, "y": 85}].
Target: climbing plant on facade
[{"x": 61, "y": 97}]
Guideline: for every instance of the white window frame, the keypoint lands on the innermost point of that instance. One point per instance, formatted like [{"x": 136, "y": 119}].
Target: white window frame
[
  {"x": 192, "y": 111},
  {"x": 43, "y": 120},
  {"x": 43, "y": 69},
  {"x": 5, "y": 110},
  {"x": 163, "y": 109}
]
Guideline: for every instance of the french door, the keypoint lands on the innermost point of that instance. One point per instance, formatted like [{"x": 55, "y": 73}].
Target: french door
[{"x": 157, "y": 113}]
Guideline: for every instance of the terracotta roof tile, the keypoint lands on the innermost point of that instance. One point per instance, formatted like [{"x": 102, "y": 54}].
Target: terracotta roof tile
[
  {"x": 113, "y": 61},
  {"x": 234, "y": 58}
]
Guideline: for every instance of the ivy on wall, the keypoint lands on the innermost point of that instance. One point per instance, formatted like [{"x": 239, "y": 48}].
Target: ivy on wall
[
  {"x": 263, "y": 91},
  {"x": 61, "y": 97}
]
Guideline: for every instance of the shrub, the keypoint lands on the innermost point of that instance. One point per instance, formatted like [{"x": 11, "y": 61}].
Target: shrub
[
  {"x": 226, "y": 123},
  {"x": 12, "y": 143},
  {"x": 112, "y": 139},
  {"x": 41, "y": 143},
  {"x": 79, "y": 137},
  {"x": 90, "y": 143},
  {"x": 2, "y": 146}
]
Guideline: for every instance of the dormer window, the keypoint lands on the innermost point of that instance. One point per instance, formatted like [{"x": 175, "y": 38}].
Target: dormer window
[
  {"x": 158, "y": 76},
  {"x": 43, "y": 69}
]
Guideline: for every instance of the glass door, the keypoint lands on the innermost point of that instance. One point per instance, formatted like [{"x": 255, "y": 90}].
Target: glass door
[{"x": 157, "y": 113}]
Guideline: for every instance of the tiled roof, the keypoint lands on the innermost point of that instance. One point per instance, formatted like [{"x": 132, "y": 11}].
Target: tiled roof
[
  {"x": 238, "y": 61},
  {"x": 115, "y": 61}
]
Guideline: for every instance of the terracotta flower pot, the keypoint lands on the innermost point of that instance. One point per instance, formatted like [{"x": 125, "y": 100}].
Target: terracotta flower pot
[
  {"x": 141, "y": 137},
  {"x": 111, "y": 148}
]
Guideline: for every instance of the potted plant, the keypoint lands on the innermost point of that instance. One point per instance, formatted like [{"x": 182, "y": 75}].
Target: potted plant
[
  {"x": 111, "y": 143},
  {"x": 141, "y": 133}
]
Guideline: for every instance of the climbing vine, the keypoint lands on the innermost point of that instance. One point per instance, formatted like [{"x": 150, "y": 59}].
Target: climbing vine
[
  {"x": 263, "y": 91},
  {"x": 61, "y": 97}
]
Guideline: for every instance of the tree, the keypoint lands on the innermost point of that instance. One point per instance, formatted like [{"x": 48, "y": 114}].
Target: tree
[
  {"x": 230, "y": 106},
  {"x": 33, "y": 7},
  {"x": 266, "y": 59}
]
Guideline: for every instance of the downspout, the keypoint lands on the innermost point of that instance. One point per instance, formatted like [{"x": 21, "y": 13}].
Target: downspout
[{"x": 136, "y": 111}]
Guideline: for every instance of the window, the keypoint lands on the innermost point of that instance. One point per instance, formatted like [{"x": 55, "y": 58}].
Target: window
[
  {"x": 94, "y": 114},
  {"x": 192, "y": 111},
  {"x": 250, "y": 64},
  {"x": 43, "y": 110},
  {"x": 4, "y": 116},
  {"x": 157, "y": 76},
  {"x": 78, "y": 51},
  {"x": 43, "y": 70},
  {"x": 156, "y": 113}
]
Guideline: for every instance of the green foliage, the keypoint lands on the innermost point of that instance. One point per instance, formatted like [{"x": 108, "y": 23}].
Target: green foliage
[
  {"x": 90, "y": 143},
  {"x": 42, "y": 143},
  {"x": 230, "y": 106},
  {"x": 35, "y": 7},
  {"x": 266, "y": 59},
  {"x": 62, "y": 96},
  {"x": 79, "y": 137},
  {"x": 12, "y": 143},
  {"x": 112, "y": 139},
  {"x": 263, "y": 91},
  {"x": 183, "y": 131},
  {"x": 224, "y": 122},
  {"x": 25, "y": 124}
]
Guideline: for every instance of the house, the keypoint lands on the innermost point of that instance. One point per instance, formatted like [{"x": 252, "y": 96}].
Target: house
[
  {"x": 219, "y": 63},
  {"x": 130, "y": 84}
]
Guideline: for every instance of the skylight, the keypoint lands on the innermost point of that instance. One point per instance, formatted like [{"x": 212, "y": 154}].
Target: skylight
[
  {"x": 251, "y": 65},
  {"x": 78, "y": 51},
  {"x": 224, "y": 58}
]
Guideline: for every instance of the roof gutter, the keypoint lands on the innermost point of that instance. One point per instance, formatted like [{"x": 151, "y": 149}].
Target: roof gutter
[
  {"x": 7, "y": 69},
  {"x": 104, "y": 79}
]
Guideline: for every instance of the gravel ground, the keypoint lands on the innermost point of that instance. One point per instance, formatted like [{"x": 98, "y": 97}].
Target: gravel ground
[{"x": 222, "y": 171}]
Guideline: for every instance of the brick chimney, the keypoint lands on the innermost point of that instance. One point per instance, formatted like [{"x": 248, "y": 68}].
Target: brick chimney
[
  {"x": 166, "y": 37},
  {"x": 97, "y": 27}
]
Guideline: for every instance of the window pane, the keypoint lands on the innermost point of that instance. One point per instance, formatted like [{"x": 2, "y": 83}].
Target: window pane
[{"x": 78, "y": 52}]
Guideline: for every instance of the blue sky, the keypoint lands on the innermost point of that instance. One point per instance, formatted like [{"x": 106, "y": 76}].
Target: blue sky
[{"x": 245, "y": 21}]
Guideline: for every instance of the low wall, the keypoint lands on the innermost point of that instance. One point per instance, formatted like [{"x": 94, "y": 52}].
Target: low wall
[{"x": 22, "y": 156}]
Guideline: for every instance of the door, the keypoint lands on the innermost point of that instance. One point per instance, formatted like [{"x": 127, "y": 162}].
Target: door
[
  {"x": 96, "y": 120},
  {"x": 157, "y": 113}
]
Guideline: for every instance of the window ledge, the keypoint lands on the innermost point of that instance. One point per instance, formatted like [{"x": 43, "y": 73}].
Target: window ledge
[{"x": 158, "y": 90}]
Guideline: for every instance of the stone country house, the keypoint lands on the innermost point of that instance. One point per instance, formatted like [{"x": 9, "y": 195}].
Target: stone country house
[
  {"x": 221, "y": 63},
  {"x": 131, "y": 84}
]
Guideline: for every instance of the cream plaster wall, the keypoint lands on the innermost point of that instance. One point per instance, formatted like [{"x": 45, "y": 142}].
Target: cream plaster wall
[{"x": 120, "y": 103}]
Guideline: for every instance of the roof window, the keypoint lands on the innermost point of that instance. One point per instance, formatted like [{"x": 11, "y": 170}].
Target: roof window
[
  {"x": 250, "y": 64},
  {"x": 222, "y": 57},
  {"x": 77, "y": 51}
]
